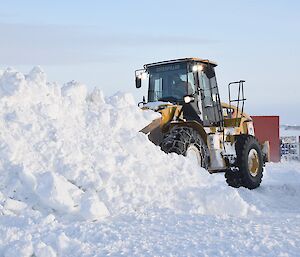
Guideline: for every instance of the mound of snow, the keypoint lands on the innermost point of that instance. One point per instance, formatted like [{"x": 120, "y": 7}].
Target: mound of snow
[
  {"x": 78, "y": 179},
  {"x": 80, "y": 156}
]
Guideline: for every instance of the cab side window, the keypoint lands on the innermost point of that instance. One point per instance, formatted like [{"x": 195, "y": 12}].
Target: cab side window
[
  {"x": 192, "y": 89},
  {"x": 205, "y": 88},
  {"x": 208, "y": 85}
]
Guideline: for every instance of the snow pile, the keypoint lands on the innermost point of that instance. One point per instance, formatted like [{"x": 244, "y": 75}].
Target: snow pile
[
  {"x": 80, "y": 156},
  {"x": 78, "y": 179}
]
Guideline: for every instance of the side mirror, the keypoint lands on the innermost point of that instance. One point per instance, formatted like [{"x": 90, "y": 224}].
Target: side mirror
[
  {"x": 188, "y": 99},
  {"x": 138, "y": 82},
  {"x": 139, "y": 76}
]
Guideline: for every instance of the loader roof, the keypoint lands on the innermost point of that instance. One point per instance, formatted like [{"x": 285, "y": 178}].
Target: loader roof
[{"x": 180, "y": 60}]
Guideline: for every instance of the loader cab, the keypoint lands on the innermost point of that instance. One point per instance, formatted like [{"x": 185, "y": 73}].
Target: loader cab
[{"x": 171, "y": 81}]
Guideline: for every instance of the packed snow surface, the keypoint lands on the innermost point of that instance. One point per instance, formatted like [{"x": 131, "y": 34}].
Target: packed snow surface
[{"x": 78, "y": 179}]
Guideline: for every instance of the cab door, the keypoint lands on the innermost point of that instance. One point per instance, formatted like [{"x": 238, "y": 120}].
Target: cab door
[
  {"x": 193, "y": 110},
  {"x": 211, "y": 106}
]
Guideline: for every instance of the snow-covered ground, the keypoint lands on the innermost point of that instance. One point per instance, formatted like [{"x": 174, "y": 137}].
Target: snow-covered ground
[{"x": 78, "y": 179}]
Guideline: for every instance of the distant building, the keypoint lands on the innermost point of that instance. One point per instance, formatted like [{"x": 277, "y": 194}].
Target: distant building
[{"x": 290, "y": 142}]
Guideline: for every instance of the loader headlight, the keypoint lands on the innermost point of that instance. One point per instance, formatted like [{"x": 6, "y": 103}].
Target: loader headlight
[
  {"x": 188, "y": 99},
  {"x": 197, "y": 67}
]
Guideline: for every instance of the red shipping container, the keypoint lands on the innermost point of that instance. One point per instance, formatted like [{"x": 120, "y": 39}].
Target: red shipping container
[{"x": 266, "y": 128}]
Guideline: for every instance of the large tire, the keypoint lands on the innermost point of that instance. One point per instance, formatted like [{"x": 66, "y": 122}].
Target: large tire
[
  {"x": 181, "y": 140},
  {"x": 233, "y": 178},
  {"x": 249, "y": 164}
]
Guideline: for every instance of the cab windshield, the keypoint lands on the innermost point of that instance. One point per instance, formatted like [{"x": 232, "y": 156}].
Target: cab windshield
[{"x": 170, "y": 82}]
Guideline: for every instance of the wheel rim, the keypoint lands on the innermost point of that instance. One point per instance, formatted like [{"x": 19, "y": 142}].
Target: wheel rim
[
  {"x": 193, "y": 153},
  {"x": 253, "y": 162}
]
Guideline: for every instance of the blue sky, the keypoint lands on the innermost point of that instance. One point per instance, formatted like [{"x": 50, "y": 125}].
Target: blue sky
[{"x": 101, "y": 43}]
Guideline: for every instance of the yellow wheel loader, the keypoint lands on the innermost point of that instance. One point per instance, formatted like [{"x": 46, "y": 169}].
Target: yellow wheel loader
[{"x": 194, "y": 122}]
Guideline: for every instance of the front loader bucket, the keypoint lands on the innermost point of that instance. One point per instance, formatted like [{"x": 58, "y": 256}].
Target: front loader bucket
[{"x": 153, "y": 131}]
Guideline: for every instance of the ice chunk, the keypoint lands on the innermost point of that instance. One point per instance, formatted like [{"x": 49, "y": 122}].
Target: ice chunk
[
  {"x": 37, "y": 76},
  {"x": 56, "y": 192},
  {"x": 11, "y": 82},
  {"x": 15, "y": 206},
  {"x": 75, "y": 92},
  {"x": 92, "y": 208}
]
